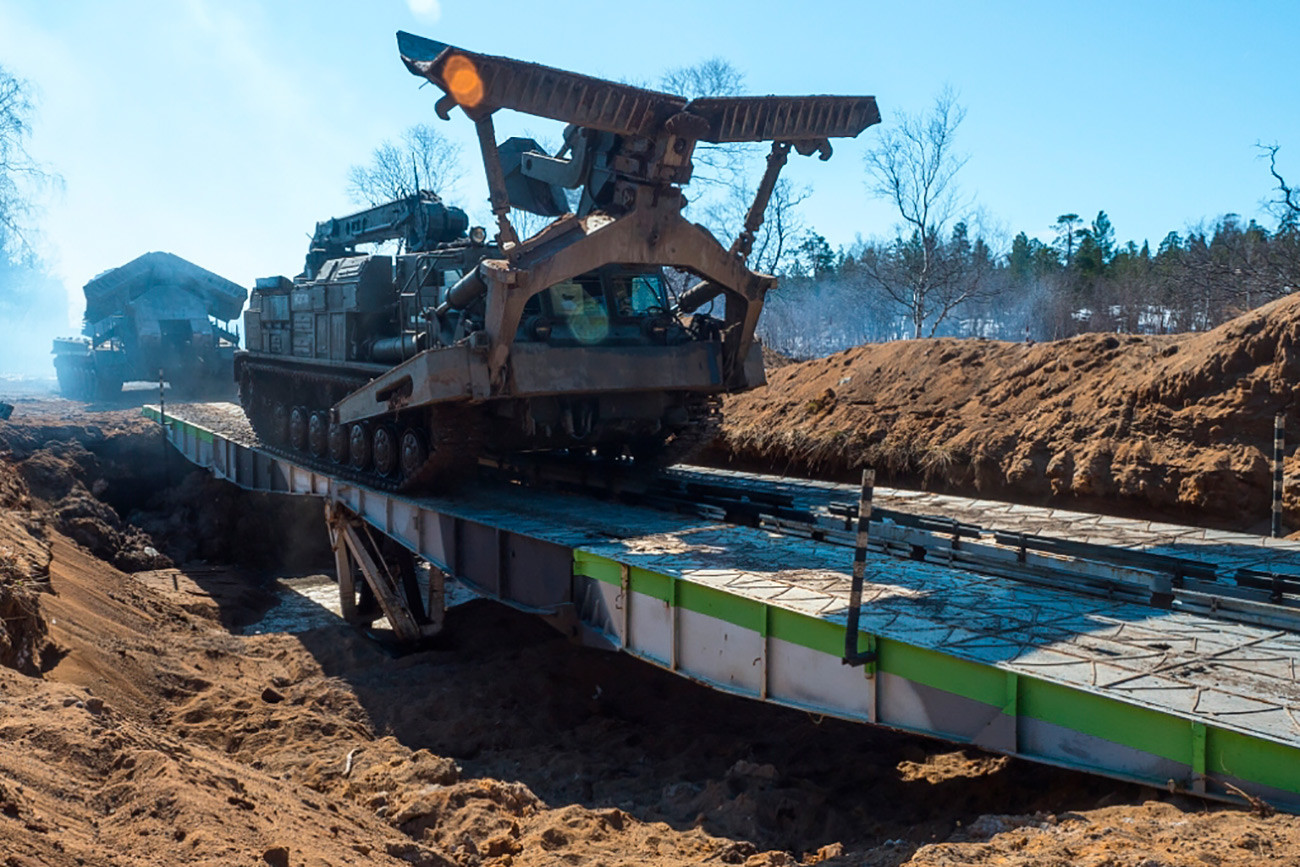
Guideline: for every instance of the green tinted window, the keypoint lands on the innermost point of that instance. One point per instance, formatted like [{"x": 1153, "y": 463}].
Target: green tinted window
[{"x": 637, "y": 294}]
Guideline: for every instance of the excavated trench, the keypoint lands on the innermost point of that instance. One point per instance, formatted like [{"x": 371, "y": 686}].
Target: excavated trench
[{"x": 500, "y": 695}]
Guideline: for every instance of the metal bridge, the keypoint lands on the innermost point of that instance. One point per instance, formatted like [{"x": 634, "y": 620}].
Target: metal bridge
[{"x": 1154, "y": 653}]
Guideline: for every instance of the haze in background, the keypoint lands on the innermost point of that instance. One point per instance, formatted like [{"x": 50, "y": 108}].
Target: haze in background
[{"x": 33, "y": 310}]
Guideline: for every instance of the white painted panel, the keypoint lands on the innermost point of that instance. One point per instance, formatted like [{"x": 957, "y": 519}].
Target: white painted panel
[
  {"x": 406, "y": 523},
  {"x": 373, "y": 508},
  {"x": 721, "y": 652},
  {"x": 434, "y": 546},
  {"x": 901, "y": 705},
  {"x": 651, "y": 627},
  {"x": 1074, "y": 749},
  {"x": 810, "y": 678},
  {"x": 609, "y": 617}
]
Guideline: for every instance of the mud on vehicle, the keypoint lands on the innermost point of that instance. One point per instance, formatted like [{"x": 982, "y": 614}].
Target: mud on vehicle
[{"x": 403, "y": 369}]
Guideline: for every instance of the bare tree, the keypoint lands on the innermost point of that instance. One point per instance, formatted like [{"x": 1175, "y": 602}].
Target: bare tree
[
  {"x": 958, "y": 275},
  {"x": 774, "y": 248},
  {"x": 914, "y": 164},
  {"x": 423, "y": 159},
  {"x": 713, "y": 77},
  {"x": 33, "y": 306},
  {"x": 725, "y": 173},
  {"x": 21, "y": 176},
  {"x": 1286, "y": 201},
  {"x": 721, "y": 163},
  {"x": 722, "y": 171}
]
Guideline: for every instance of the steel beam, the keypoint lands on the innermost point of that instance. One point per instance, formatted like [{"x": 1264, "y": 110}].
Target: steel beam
[{"x": 1172, "y": 699}]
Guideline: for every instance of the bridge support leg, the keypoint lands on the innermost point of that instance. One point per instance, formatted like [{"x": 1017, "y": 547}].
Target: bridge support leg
[{"x": 389, "y": 578}]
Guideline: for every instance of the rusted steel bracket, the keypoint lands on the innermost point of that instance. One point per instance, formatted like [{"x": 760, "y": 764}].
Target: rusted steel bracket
[
  {"x": 391, "y": 586},
  {"x": 507, "y": 238},
  {"x": 754, "y": 219}
]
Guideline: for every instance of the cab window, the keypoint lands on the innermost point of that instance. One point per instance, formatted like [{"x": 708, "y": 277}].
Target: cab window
[
  {"x": 636, "y": 294},
  {"x": 581, "y": 306}
]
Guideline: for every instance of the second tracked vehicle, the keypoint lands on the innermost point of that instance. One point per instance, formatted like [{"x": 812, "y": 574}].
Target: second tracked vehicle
[
  {"x": 404, "y": 370},
  {"x": 157, "y": 315}
]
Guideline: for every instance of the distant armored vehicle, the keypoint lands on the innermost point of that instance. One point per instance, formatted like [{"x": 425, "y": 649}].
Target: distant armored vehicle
[
  {"x": 401, "y": 371},
  {"x": 157, "y": 313}
]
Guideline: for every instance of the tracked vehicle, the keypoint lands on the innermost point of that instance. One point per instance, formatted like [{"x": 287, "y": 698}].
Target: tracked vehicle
[
  {"x": 157, "y": 314},
  {"x": 402, "y": 370}
]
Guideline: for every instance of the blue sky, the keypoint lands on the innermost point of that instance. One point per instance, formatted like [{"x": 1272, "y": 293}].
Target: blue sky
[{"x": 222, "y": 131}]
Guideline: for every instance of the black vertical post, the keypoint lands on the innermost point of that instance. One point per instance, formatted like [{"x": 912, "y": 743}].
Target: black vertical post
[
  {"x": 852, "y": 655},
  {"x": 162, "y": 416},
  {"x": 1279, "y": 447},
  {"x": 166, "y": 455}
]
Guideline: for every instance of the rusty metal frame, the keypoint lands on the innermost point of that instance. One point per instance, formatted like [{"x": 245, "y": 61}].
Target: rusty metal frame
[{"x": 354, "y": 552}]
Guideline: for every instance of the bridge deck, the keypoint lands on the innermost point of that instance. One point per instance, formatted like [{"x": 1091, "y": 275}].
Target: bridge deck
[
  {"x": 1222, "y": 548},
  {"x": 1169, "y": 698}
]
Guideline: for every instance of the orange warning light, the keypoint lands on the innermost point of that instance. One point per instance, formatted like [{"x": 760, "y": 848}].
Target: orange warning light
[{"x": 463, "y": 81}]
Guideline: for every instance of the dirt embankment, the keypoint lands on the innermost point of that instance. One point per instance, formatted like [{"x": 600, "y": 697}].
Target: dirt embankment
[
  {"x": 142, "y": 731},
  {"x": 1175, "y": 426}
]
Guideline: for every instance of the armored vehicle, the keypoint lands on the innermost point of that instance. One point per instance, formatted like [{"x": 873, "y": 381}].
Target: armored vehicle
[
  {"x": 401, "y": 370},
  {"x": 155, "y": 314}
]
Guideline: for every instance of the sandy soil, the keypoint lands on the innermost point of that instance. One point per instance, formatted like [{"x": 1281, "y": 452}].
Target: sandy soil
[
  {"x": 1178, "y": 426},
  {"x": 139, "y": 727}
]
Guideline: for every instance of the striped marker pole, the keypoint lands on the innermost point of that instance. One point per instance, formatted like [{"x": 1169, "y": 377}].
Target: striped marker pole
[
  {"x": 162, "y": 419},
  {"x": 1279, "y": 446},
  {"x": 852, "y": 655}
]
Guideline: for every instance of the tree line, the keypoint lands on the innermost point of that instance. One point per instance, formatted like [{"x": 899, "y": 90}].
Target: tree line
[
  {"x": 1083, "y": 281},
  {"x": 938, "y": 276}
]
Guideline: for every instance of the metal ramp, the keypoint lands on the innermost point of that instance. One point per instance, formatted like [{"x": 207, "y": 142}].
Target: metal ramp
[{"x": 1171, "y": 698}]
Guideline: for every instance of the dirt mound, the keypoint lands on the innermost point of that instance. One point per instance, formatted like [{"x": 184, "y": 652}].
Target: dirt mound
[
  {"x": 24, "y": 570},
  {"x": 72, "y": 465},
  {"x": 66, "y": 483},
  {"x": 1177, "y": 425},
  {"x": 159, "y": 735},
  {"x": 92, "y": 778},
  {"x": 22, "y": 629},
  {"x": 1143, "y": 836},
  {"x": 108, "y": 481}
]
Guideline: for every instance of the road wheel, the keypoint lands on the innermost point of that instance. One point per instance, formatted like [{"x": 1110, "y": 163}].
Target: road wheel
[
  {"x": 386, "y": 453},
  {"x": 359, "y": 445},
  {"x": 298, "y": 428},
  {"x": 414, "y": 453},
  {"x": 338, "y": 442},
  {"x": 317, "y": 428},
  {"x": 279, "y": 423}
]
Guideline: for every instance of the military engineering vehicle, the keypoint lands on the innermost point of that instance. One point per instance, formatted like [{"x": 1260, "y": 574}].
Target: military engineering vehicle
[
  {"x": 156, "y": 314},
  {"x": 398, "y": 371}
]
